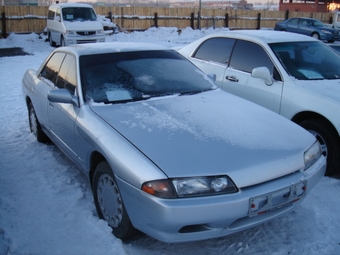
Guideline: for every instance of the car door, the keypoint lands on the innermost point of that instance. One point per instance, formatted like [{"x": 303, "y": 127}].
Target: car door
[
  {"x": 213, "y": 55},
  {"x": 305, "y": 27},
  {"x": 45, "y": 81},
  {"x": 292, "y": 25},
  {"x": 238, "y": 79},
  {"x": 62, "y": 116}
]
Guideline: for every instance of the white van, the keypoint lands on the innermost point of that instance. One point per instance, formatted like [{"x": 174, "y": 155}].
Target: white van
[{"x": 73, "y": 24}]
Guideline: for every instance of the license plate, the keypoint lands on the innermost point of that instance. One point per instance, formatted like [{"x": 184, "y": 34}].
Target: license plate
[{"x": 276, "y": 199}]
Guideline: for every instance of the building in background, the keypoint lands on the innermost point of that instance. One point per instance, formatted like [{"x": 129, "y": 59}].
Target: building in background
[{"x": 309, "y": 5}]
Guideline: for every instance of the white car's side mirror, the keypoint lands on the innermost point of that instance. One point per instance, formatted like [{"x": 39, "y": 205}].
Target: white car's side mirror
[
  {"x": 212, "y": 76},
  {"x": 262, "y": 73}
]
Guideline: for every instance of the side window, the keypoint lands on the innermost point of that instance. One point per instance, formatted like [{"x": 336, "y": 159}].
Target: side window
[
  {"x": 51, "y": 69},
  {"x": 294, "y": 22},
  {"x": 215, "y": 49},
  {"x": 247, "y": 55},
  {"x": 51, "y": 12},
  {"x": 67, "y": 77}
]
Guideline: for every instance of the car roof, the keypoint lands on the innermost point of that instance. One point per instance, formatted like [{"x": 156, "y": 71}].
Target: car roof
[
  {"x": 63, "y": 5},
  {"x": 266, "y": 36},
  {"x": 109, "y": 47}
]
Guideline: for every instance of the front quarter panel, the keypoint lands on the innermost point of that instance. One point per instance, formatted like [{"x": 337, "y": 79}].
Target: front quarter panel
[{"x": 128, "y": 163}]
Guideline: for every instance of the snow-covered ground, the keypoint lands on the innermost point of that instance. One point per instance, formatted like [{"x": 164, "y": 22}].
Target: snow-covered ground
[{"x": 46, "y": 205}]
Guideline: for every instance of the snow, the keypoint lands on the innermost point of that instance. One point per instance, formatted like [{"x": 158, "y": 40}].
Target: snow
[{"x": 46, "y": 205}]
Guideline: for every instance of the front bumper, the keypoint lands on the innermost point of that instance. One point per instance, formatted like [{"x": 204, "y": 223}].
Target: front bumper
[
  {"x": 192, "y": 219},
  {"x": 77, "y": 39}
]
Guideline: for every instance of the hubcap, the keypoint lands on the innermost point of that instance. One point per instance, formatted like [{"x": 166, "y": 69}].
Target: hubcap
[
  {"x": 322, "y": 142},
  {"x": 110, "y": 201}
]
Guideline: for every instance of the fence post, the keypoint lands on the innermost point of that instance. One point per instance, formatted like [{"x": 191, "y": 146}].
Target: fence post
[
  {"x": 226, "y": 20},
  {"x": 192, "y": 21},
  {"x": 156, "y": 19},
  {"x": 110, "y": 16},
  {"x": 258, "y": 21},
  {"x": 287, "y": 14},
  {"x": 199, "y": 20},
  {"x": 3, "y": 20}
]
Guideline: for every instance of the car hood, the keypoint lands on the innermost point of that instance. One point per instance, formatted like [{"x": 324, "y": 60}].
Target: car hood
[
  {"x": 211, "y": 133},
  {"x": 83, "y": 25},
  {"x": 328, "y": 88}
]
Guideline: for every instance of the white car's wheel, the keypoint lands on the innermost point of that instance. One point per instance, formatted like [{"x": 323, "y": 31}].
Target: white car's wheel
[
  {"x": 109, "y": 203},
  {"x": 52, "y": 43},
  {"x": 35, "y": 126},
  {"x": 329, "y": 142}
]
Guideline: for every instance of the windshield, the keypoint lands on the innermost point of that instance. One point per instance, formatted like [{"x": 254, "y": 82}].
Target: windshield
[
  {"x": 308, "y": 60},
  {"x": 133, "y": 76},
  {"x": 78, "y": 14}
]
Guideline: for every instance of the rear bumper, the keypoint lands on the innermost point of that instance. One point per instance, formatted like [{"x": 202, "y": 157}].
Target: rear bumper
[{"x": 192, "y": 219}]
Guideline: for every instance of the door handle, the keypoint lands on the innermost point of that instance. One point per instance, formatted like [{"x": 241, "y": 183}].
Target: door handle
[{"x": 232, "y": 78}]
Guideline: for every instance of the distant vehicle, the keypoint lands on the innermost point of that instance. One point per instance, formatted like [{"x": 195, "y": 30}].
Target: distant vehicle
[
  {"x": 309, "y": 26},
  {"x": 294, "y": 75},
  {"x": 336, "y": 21},
  {"x": 165, "y": 150},
  {"x": 73, "y": 23}
]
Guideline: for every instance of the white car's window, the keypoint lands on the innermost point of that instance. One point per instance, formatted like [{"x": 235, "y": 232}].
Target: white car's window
[
  {"x": 78, "y": 14},
  {"x": 133, "y": 76},
  {"x": 308, "y": 60},
  {"x": 67, "y": 77},
  {"x": 215, "y": 49},
  {"x": 51, "y": 69}
]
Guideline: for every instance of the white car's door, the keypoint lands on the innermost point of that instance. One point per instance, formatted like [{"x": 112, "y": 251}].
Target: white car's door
[{"x": 62, "y": 116}]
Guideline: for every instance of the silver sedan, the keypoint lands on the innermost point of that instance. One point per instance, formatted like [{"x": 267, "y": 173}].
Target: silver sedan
[{"x": 165, "y": 150}]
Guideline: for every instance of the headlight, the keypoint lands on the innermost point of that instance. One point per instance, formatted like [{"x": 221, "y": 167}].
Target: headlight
[
  {"x": 100, "y": 32},
  {"x": 312, "y": 154},
  {"x": 325, "y": 32},
  {"x": 70, "y": 32},
  {"x": 190, "y": 187}
]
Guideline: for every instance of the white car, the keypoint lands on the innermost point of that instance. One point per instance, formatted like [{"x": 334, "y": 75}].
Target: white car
[
  {"x": 137, "y": 120},
  {"x": 294, "y": 75}
]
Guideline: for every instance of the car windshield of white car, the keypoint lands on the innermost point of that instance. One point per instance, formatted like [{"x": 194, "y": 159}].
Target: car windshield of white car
[
  {"x": 78, "y": 14},
  {"x": 308, "y": 60},
  {"x": 133, "y": 76}
]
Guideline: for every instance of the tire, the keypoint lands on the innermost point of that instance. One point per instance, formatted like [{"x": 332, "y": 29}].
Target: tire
[
  {"x": 330, "y": 41},
  {"x": 109, "y": 203},
  {"x": 316, "y": 36},
  {"x": 35, "y": 126},
  {"x": 52, "y": 43},
  {"x": 329, "y": 141},
  {"x": 62, "y": 41},
  {"x": 283, "y": 30}
]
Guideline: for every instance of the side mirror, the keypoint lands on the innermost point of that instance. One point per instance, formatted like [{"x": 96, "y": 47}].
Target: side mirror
[
  {"x": 62, "y": 96},
  {"x": 262, "y": 73},
  {"x": 212, "y": 76}
]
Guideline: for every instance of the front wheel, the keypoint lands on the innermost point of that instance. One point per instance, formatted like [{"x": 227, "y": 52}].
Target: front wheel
[
  {"x": 109, "y": 202},
  {"x": 329, "y": 141},
  {"x": 52, "y": 43},
  {"x": 35, "y": 126},
  {"x": 316, "y": 36},
  {"x": 62, "y": 41}
]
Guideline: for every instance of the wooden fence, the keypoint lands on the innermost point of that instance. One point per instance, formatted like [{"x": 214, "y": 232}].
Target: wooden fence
[{"x": 27, "y": 19}]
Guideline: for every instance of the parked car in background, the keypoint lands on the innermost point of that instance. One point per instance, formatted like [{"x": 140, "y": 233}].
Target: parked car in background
[
  {"x": 73, "y": 23},
  {"x": 309, "y": 26},
  {"x": 291, "y": 74},
  {"x": 165, "y": 150}
]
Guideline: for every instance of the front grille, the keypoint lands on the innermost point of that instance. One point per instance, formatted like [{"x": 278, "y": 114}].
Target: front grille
[
  {"x": 85, "y": 41},
  {"x": 85, "y": 33}
]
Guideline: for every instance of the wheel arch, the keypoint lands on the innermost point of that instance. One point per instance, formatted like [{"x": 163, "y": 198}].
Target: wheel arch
[
  {"x": 301, "y": 116},
  {"x": 95, "y": 159}
]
